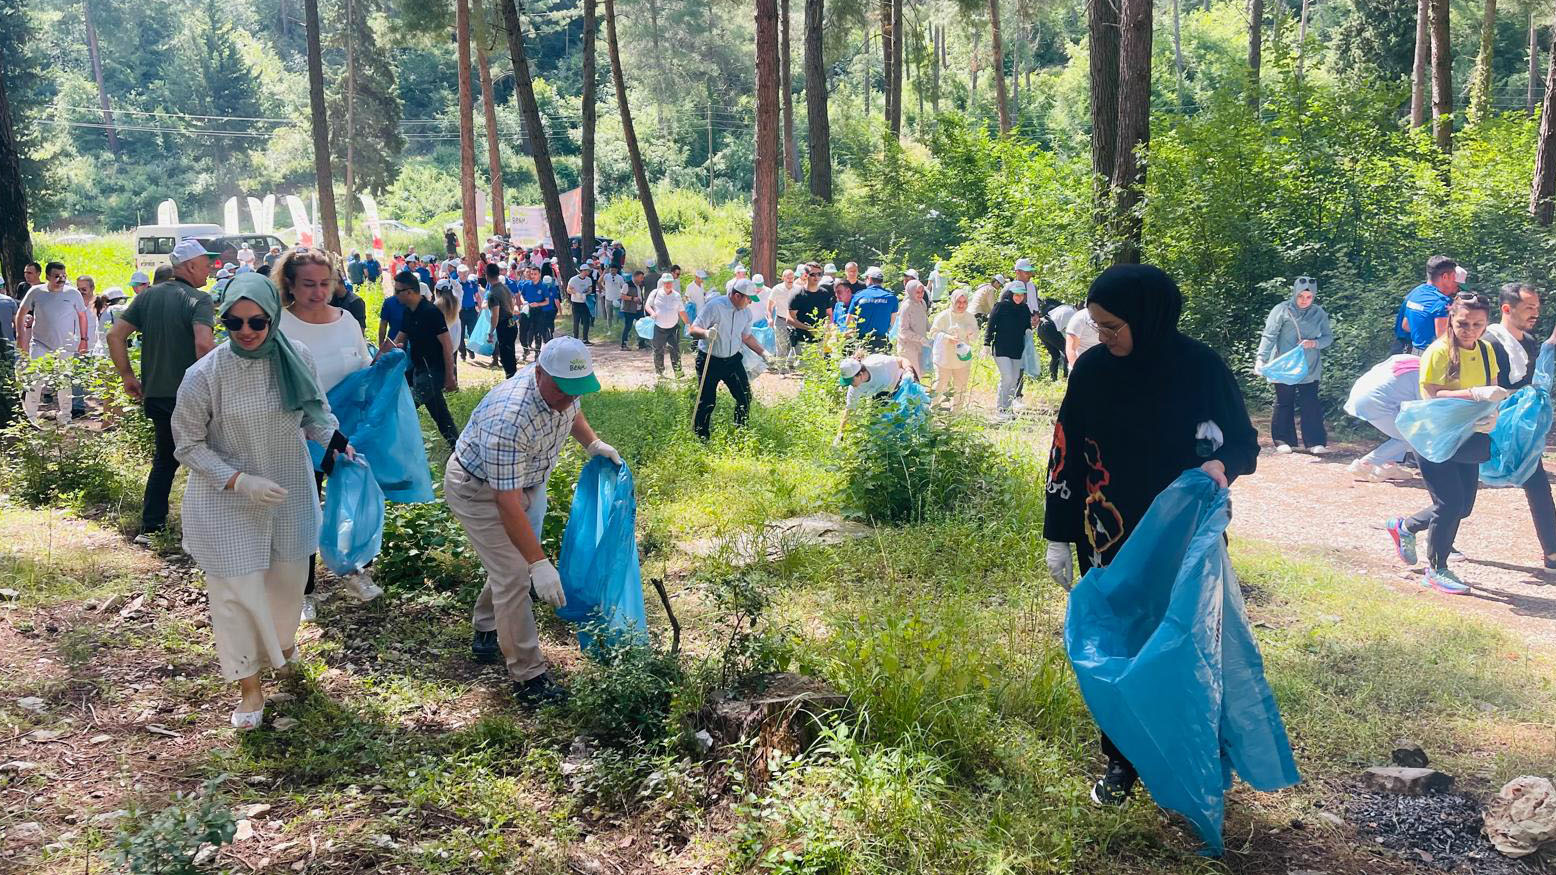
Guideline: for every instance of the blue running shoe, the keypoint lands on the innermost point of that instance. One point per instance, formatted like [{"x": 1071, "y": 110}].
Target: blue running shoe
[
  {"x": 1404, "y": 542},
  {"x": 1445, "y": 581}
]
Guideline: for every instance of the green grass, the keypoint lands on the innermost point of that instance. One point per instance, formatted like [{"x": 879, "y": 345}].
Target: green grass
[{"x": 109, "y": 259}]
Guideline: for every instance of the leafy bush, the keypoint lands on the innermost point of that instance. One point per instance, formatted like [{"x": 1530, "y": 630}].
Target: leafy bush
[
  {"x": 168, "y": 842},
  {"x": 623, "y": 697},
  {"x": 892, "y": 473},
  {"x": 424, "y": 546},
  {"x": 70, "y": 467}
]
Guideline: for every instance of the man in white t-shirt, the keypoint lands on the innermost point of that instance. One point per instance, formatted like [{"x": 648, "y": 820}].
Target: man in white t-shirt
[
  {"x": 666, "y": 308},
  {"x": 579, "y": 288},
  {"x": 612, "y": 283},
  {"x": 778, "y": 312},
  {"x": 246, "y": 255},
  {"x": 696, "y": 295},
  {"x": 1080, "y": 335},
  {"x": 740, "y": 274},
  {"x": 58, "y": 329}
]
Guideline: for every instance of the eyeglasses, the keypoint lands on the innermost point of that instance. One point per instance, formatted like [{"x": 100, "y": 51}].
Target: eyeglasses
[
  {"x": 1107, "y": 334},
  {"x": 402, "y": 290},
  {"x": 255, "y": 323}
]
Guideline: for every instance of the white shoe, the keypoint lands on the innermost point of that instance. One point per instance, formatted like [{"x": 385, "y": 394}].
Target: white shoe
[
  {"x": 1392, "y": 471},
  {"x": 1362, "y": 469},
  {"x": 1283, "y": 449},
  {"x": 1018, "y": 404},
  {"x": 310, "y": 609},
  {"x": 243, "y": 721},
  {"x": 1003, "y": 416},
  {"x": 1319, "y": 450},
  {"x": 361, "y": 587}
]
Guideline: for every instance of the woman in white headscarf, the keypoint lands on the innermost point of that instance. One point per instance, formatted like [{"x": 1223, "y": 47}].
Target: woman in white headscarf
[
  {"x": 913, "y": 324},
  {"x": 954, "y": 327}
]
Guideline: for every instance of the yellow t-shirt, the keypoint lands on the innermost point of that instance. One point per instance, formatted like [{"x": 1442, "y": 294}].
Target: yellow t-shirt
[{"x": 1477, "y": 367}]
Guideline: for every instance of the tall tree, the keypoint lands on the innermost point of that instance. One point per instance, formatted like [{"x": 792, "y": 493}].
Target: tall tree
[
  {"x": 997, "y": 69},
  {"x": 482, "y": 32},
  {"x": 819, "y": 127},
  {"x": 887, "y": 38},
  {"x": 324, "y": 176},
  {"x": 95, "y": 54},
  {"x": 371, "y": 134},
  {"x": 1102, "y": 27},
  {"x": 894, "y": 70},
  {"x": 1480, "y": 78},
  {"x": 1255, "y": 49},
  {"x": 466, "y": 132},
  {"x": 1543, "y": 190},
  {"x": 535, "y": 131},
  {"x": 15, "y": 235},
  {"x": 590, "y": 113},
  {"x": 1534, "y": 63},
  {"x": 1301, "y": 37},
  {"x": 634, "y": 154},
  {"x": 1442, "y": 77},
  {"x": 764, "y": 195},
  {"x": 351, "y": 117},
  {"x": 1420, "y": 72},
  {"x": 1177, "y": 49},
  {"x": 791, "y": 149},
  {"x": 1134, "y": 125}
]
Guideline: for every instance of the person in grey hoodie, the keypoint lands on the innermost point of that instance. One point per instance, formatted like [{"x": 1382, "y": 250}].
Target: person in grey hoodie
[{"x": 1298, "y": 322}]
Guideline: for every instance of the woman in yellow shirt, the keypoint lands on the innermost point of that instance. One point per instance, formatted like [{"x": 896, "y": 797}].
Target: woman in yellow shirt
[{"x": 1459, "y": 364}]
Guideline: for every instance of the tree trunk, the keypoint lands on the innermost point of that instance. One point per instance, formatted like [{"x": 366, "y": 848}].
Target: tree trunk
[
  {"x": 324, "y": 176},
  {"x": 590, "y": 121},
  {"x": 1442, "y": 77},
  {"x": 1540, "y": 203},
  {"x": 973, "y": 55},
  {"x": 466, "y": 133},
  {"x": 351, "y": 114},
  {"x": 1302, "y": 38},
  {"x": 1102, "y": 27},
  {"x": 1420, "y": 73},
  {"x": 15, "y": 235},
  {"x": 489, "y": 110},
  {"x": 791, "y": 147},
  {"x": 997, "y": 69},
  {"x": 1255, "y": 50},
  {"x": 645, "y": 194},
  {"x": 934, "y": 71},
  {"x": 1480, "y": 79},
  {"x": 1177, "y": 49},
  {"x": 96, "y": 55},
  {"x": 764, "y": 195},
  {"x": 1134, "y": 125},
  {"x": 1534, "y": 65},
  {"x": 535, "y": 129},
  {"x": 894, "y": 118},
  {"x": 819, "y": 127},
  {"x": 886, "y": 41}
]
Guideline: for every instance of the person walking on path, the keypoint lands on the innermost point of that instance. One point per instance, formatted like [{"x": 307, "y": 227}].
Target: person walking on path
[
  {"x": 913, "y": 325},
  {"x": 1005, "y": 339},
  {"x": 953, "y": 327},
  {"x": 665, "y": 307},
  {"x": 632, "y": 308},
  {"x": 874, "y": 311},
  {"x": 1460, "y": 364},
  {"x": 1376, "y": 398},
  {"x": 58, "y": 329},
  {"x": 469, "y": 308},
  {"x": 808, "y": 310},
  {"x": 495, "y": 484},
  {"x": 778, "y": 300},
  {"x": 1513, "y": 344},
  {"x": 1133, "y": 419},
  {"x": 1423, "y": 314},
  {"x": 430, "y": 353},
  {"x": 579, "y": 288},
  {"x": 505, "y": 328},
  {"x": 251, "y": 515},
  {"x": 177, "y": 325},
  {"x": 1298, "y": 322},
  {"x": 722, "y": 329}
]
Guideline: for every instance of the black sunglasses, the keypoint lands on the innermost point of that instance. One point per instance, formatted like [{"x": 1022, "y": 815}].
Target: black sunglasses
[{"x": 256, "y": 323}]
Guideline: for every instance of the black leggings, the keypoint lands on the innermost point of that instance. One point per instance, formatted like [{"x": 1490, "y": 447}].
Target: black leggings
[
  {"x": 505, "y": 335},
  {"x": 1452, "y": 486},
  {"x": 1291, "y": 401}
]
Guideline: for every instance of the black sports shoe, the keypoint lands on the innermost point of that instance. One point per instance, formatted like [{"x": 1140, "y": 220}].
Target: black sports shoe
[
  {"x": 539, "y": 691},
  {"x": 484, "y": 648},
  {"x": 1114, "y": 786}
]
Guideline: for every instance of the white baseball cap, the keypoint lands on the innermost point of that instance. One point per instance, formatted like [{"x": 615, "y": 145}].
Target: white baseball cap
[
  {"x": 139, "y": 278},
  {"x": 666, "y": 279},
  {"x": 747, "y": 288},
  {"x": 849, "y": 370},
  {"x": 702, "y": 274},
  {"x": 873, "y": 273},
  {"x": 114, "y": 293},
  {"x": 568, "y": 362},
  {"x": 188, "y": 249},
  {"x": 740, "y": 268},
  {"x": 830, "y": 268},
  {"x": 1024, "y": 264},
  {"x": 759, "y": 280},
  {"x": 910, "y": 272}
]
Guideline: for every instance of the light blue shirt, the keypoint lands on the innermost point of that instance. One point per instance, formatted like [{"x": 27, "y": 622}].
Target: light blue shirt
[{"x": 733, "y": 326}]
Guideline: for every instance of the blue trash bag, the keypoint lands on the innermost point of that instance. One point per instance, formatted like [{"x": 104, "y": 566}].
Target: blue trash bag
[
  {"x": 926, "y": 360},
  {"x": 1029, "y": 360},
  {"x": 594, "y": 304},
  {"x": 377, "y": 415},
  {"x": 1523, "y": 422},
  {"x": 691, "y": 316},
  {"x": 352, "y": 529},
  {"x": 1167, "y": 663},
  {"x": 644, "y": 327},
  {"x": 599, "y": 561},
  {"x": 908, "y": 407},
  {"x": 764, "y": 334},
  {"x": 1437, "y": 427},
  {"x": 481, "y": 339},
  {"x": 1289, "y": 368}
]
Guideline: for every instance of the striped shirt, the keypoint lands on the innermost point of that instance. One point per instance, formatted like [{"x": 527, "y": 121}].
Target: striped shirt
[{"x": 513, "y": 438}]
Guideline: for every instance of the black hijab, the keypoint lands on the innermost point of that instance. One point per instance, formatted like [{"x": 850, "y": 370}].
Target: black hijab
[{"x": 1147, "y": 299}]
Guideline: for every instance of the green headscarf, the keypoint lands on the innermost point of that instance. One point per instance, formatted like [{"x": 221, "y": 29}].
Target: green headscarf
[{"x": 299, "y": 388}]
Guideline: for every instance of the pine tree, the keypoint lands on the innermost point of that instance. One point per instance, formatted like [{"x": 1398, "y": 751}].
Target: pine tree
[
  {"x": 376, "y": 138},
  {"x": 224, "y": 86}
]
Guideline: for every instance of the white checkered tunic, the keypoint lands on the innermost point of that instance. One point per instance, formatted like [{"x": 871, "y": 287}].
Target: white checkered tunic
[
  {"x": 229, "y": 419},
  {"x": 514, "y": 437}
]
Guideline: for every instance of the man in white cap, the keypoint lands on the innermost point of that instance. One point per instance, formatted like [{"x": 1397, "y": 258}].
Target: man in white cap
[
  {"x": 696, "y": 291},
  {"x": 579, "y": 288},
  {"x": 1024, "y": 271},
  {"x": 58, "y": 329},
  {"x": 740, "y": 274},
  {"x": 778, "y": 299},
  {"x": 723, "y": 327},
  {"x": 874, "y": 310},
  {"x": 665, "y": 307},
  {"x": 495, "y": 483},
  {"x": 139, "y": 282},
  {"x": 176, "y": 322}
]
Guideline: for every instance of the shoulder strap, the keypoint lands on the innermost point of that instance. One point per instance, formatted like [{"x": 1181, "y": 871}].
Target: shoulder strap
[{"x": 1485, "y": 359}]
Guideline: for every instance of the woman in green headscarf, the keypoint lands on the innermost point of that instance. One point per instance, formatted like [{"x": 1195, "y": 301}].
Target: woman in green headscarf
[
  {"x": 1299, "y": 321},
  {"x": 250, "y": 513}
]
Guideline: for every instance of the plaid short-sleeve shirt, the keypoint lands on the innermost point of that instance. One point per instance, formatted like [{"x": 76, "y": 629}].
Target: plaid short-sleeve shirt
[{"x": 513, "y": 438}]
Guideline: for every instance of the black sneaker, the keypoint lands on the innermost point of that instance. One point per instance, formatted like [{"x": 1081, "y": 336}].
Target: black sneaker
[
  {"x": 1114, "y": 786},
  {"x": 539, "y": 691},
  {"x": 484, "y": 648}
]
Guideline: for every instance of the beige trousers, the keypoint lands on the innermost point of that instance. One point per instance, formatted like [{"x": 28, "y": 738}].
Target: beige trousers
[
  {"x": 504, "y": 602},
  {"x": 954, "y": 380},
  {"x": 254, "y": 617}
]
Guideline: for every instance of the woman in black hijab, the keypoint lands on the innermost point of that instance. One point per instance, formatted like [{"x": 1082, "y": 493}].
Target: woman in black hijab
[{"x": 1140, "y": 409}]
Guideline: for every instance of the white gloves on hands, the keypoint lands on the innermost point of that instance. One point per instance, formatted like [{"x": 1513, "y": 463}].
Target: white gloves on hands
[
  {"x": 601, "y": 448},
  {"x": 713, "y": 333},
  {"x": 259, "y": 490},
  {"x": 1489, "y": 393},
  {"x": 547, "y": 582},
  {"x": 1061, "y": 566}
]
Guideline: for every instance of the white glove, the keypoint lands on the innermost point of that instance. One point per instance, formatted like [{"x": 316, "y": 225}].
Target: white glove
[
  {"x": 713, "y": 333},
  {"x": 601, "y": 448},
  {"x": 548, "y": 584},
  {"x": 259, "y": 490},
  {"x": 1489, "y": 393},
  {"x": 1060, "y": 564}
]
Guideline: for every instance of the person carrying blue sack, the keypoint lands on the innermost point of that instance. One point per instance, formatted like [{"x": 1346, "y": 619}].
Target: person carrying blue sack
[
  {"x": 1299, "y": 321},
  {"x": 1516, "y": 351},
  {"x": 1460, "y": 365},
  {"x": 1138, "y": 411}
]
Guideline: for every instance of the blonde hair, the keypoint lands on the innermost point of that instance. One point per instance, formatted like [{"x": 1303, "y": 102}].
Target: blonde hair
[
  {"x": 447, "y": 301},
  {"x": 284, "y": 273}
]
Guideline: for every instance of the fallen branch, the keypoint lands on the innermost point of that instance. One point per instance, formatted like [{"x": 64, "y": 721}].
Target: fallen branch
[{"x": 675, "y": 625}]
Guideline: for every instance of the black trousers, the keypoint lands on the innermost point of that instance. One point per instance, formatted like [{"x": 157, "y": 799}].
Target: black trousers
[
  {"x": 159, "y": 483},
  {"x": 505, "y": 336},
  {"x": 542, "y": 324},
  {"x": 1537, "y": 489},
  {"x": 427, "y": 390},
  {"x": 582, "y": 319},
  {"x": 467, "y": 320},
  {"x": 731, "y": 372},
  {"x": 1109, "y": 749},
  {"x": 526, "y": 330},
  {"x": 1291, "y": 401},
  {"x": 1452, "y": 486}
]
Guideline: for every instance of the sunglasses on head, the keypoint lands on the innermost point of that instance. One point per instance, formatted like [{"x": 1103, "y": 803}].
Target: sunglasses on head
[
  {"x": 255, "y": 323},
  {"x": 1469, "y": 297}
]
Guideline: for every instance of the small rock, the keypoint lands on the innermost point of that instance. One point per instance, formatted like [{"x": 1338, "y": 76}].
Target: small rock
[
  {"x": 110, "y": 816},
  {"x": 244, "y": 832},
  {"x": 31, "y": 703},
  {"x": 17, "y": 766},
  {"x": 282, "y": 697},
  {"x": 99, "y": 739},
  {"x": 1404, "y": 781},
  {"x": 382, "y": 841},
  {"x": 282, "y": 724},
  {"x": 113, "y": 604},
  {"x": 1408, "y": 754},
  {"x": 253, "y": 811},
  {"x": 704, "y": 740},
  {"x": 205, "y": 854},
  {"x": 29, "y": 833},
  {"x": 9, "y": 595},
  {"x": 1521, "y": 819},
  {"x": 42, "y": 735},
  {"x": 1331, "y": 818}
]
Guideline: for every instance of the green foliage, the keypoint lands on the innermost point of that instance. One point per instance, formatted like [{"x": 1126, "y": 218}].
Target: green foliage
[
  {"x": 892, "y": 473},
  {"x": 623, "y": 696},
  {"x": 425, "y": 547},
  {"x": 167, "y": 843},
  {"x": 374, "y": 130}
]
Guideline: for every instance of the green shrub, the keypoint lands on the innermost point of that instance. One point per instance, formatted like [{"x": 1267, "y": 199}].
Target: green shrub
[
  {"x": 424, "y": 546},
  {"x": 168, "y": 842},
  {"x": 623, "y": 697},
  {"x": 893, "y": 473},
  {"x": 71, "y": 467}
]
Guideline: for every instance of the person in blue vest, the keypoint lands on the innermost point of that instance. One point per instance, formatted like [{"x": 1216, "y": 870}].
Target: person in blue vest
[
  {"x": 540, "y": 297},
  {"x": 423, "y": 271},
  {"x": 1423, "y": 315},
  {"x": 518, "y": 281},
  {"x": 469, "y": 307},
  {"x": 874, "y": 310}
]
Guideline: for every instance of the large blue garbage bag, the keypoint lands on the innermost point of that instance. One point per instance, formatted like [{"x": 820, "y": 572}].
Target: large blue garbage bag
[
  {"x": 1289, "y": 367},
  {"x": 599, "y": 562},
  {"x": 377, "y": 415},
  {"x": 691, "y": 316},
  {"x": 1437, "y": 427},
  {"x": 482, "y": 340},
  {"x": 1167, "y": 663},
  {"x": 1523, "y": 422},
  {"x": 1029, "y": 360},
  {"x": 644, "y": 327},
  {"x": 764, "y": 334},
  {"x": 352, "y": 529},
  {"x": 908, "y": 406}
]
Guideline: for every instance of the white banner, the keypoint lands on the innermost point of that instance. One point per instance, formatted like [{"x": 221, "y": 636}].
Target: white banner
[
  {"x": 370, "y": 218},
  {"x": 167, "y": 212},
  {"x": 528, "y": 226},
  {"x": 263, "y": 214},
  {"x": 300, "y": 223},
  {"x": 230, "y": 216}
]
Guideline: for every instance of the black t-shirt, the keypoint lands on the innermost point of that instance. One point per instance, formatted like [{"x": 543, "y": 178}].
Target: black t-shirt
[
  {"x": 422, "y": 327},
  {"x": 1504, "y": 366},
  {"x": 811, "y": 308}
]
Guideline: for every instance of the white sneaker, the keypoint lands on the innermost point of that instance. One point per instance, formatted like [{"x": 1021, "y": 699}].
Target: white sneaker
[
  {"x": 1319, "y": 450},
  {"x": 1392, "y": 471},
  {"x": 1283, "y": 449},
  {"x": 1003, "y": 416},
  {"x": 310, "y": 609},
  {"x": 1361, "y": 469},
  {"x": 361, "y": 587},
  {"x": 1018, "y": 404}
]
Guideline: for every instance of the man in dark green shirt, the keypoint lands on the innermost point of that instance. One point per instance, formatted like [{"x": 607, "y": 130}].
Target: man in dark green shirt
[{"x": 176, "y": 321}]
